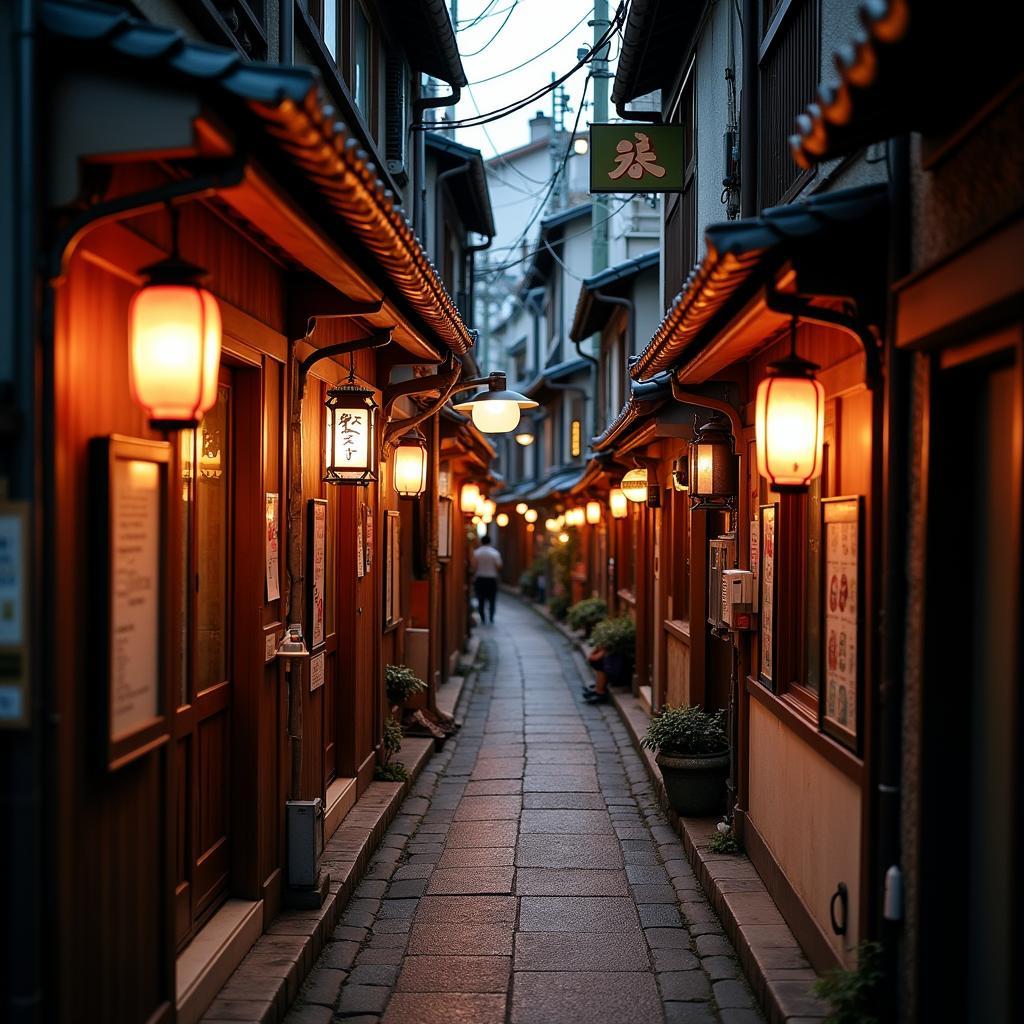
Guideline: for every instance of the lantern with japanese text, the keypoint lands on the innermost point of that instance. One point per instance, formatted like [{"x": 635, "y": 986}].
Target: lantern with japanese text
[
  {"x": 634, "y": 484},
  {"x": 350, "y": 453}
]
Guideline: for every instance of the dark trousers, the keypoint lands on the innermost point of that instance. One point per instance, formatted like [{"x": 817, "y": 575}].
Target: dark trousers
[{"x": 486, "y": 595}]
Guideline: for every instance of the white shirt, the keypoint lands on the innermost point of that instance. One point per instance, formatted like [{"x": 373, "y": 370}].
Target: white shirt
[{"x": 486, "y": 562}]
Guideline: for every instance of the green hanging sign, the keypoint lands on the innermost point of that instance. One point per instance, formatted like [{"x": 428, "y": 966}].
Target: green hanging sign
[{"x": 637, "y": 157}]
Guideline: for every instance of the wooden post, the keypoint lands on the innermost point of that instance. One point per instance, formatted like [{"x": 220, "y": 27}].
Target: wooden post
[{"x": 295, "y": 577}]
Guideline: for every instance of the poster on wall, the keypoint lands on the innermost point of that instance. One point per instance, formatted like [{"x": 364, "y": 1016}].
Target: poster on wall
[
  {"x": 361, "y": 542},
  {"x": 392, "y": 567},
  {"x": 841, "y": 544},
  {"x": 316, "y": 671},
  {"x": 368, "y": 545},
  {"x": 317, "y": 568},
  {"x": 133, "y": 503},
  {"x": 767, "y": 589},
  {"x": 273, "y": 547}
]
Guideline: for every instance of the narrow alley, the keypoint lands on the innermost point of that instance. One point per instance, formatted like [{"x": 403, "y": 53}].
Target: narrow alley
[{"x": 530, "y": 876}]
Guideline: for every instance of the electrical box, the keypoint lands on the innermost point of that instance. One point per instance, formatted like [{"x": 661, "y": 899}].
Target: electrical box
[
  {"x": 737, "y": 598},
  {"x": 721, "y": 556},
  {"x": 305, "y": 841}
]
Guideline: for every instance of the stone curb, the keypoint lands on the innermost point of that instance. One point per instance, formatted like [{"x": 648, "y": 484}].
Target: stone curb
[
  {"x": 265, "y": 984},
  {"x": 733, "y": 887}
]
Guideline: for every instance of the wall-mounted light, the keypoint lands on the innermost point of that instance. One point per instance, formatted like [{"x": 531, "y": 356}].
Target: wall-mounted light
[
  {"x": 560, "y": 520},
  {"x": 634, "y": 484},
  {"x": 563, "y": 538},
  {"x": 530, "y": 515},
  {"x": 350, "y": 454},
  {"x": 175, "y": 332},
  {"x": 410, "y": 464},
  {"x": 789, "y": 424},
  {"x": 502, "y": 519},
  {"x": 713, "y": 470},
  {"x": 593, "y": 512},
  {"x": 618, "y": 503},
  {"x": 580, "y": 145},
  {"x": 490, "y": 508},
  {"x": 468, "y": 497},
  {"x": 521, "y": 508},
  {"x": 575, "y": 517},
  {"x": 681, "y": 473},
  {"x": 551, "y": 525},
  {"x": 525, "y": 438},
  {"x": 475, "y": 520},
  {"x": 575, "y": 438},
  {"x": 494, "y": 409}
]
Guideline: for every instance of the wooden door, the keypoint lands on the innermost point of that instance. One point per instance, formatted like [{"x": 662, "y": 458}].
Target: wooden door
[{"x": 206, "y": 480}]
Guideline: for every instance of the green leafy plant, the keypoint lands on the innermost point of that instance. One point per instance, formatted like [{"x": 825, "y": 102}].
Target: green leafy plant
[
  {"x": 856, "y": 994},
  {"x": 723, "y": 842},
  {"x": 686, "y": 732},
  {"x": 586, "y": 614},
  {"x": 615, "y": 636},
  {"x": 558, "y": 606},
  {"x": 391, "y": 744},
  {"x": 402, "y": 683},
  {"x": 394, "y": 772}
]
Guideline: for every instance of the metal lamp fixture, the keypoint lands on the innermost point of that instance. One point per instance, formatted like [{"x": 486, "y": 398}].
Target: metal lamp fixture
[
  {"x": 713, "y": 470},
  {"x": 790, "y": 423},
  {"x": 494, "y": 409},
  {"x": 175, "y": 331},
  {"x": 634, "y": 484},
  {"x": 618, "y": 504},
  {"x": 350, "y": 454},
  {"x": 410, "y": 464}
]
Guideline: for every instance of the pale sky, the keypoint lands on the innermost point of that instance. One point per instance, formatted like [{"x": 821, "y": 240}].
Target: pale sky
[{"x": 527, "y": 27}]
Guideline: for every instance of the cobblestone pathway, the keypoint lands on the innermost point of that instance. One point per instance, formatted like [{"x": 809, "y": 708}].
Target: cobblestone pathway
[{"x": 530, "y": 876}]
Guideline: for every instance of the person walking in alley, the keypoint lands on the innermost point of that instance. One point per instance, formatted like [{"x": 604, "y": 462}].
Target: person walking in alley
[{"x": 486, "y": 562}]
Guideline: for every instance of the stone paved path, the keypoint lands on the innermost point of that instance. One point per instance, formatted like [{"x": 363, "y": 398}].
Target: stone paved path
[{"x": 530, "y": 877}]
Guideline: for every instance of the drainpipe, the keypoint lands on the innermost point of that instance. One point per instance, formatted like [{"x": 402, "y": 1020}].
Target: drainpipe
[
  {"x": 286, "y": 33},
  {"x": 748, "y": 110},
  {"x": 419, "y": 105},
  {"x": 471, "y": 251},
  {"x": 452, "y": 172},
  {"x": 630, "y": 307}
]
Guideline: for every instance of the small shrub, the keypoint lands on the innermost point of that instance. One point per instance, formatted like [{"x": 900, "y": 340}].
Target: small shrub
[
  {"x": 855, "y": 995},
  {"x": 723, "y": 842},
  {"x": 393, "y": 772},
  {"x": 392, "y": 741},
  {"x": 686, "y": 732},
  {"x": 558, "y": 606},
  {"x": 402, "y": 683},
  {"x": 586, "y": 614},
  {"x": 615, "y": 636}
]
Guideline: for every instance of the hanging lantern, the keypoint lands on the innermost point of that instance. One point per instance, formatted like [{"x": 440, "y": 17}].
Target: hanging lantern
[
  {"x": 495, "y": 409},
  {"x": 560, "y": 520},
  {"x": 350, "y": 454},
  {"x": 617, "y": 503},
  {"x": 468, "y": 497},
  {"x": 490, "y": 508},
  {"x": 551, "y": 525},
  {"x": 175, "y": 333},
  {"x": 410, "y": 468},
  {"x": 574, "y": 517},
  {"x": 522, "y": 507},
  {"x": 713, "y": 471},
  {"x": 634, "y": 484},
  {"x": 563, "y": 538},
  {"x": 524, "y": 438},
  {"x": 681, "y": 473},
  {"x": 593, "y": 512},
  {"x": 475, "y": 520},
  {"x": 790, "y": 425},
  {"x": 502, "y": 519},
  {"x": 530, "y": 515}
]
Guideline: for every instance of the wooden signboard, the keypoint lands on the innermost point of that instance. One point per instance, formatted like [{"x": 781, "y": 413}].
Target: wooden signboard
[
  {"x": 317, "y": 570},
  {"x": 392, "y": 567},
  {"x": 444, "y": 527},
  {"x": 839, "y": 709},
  {"x": 767, "y": 590},
  {"x": 131, "y": 575}
]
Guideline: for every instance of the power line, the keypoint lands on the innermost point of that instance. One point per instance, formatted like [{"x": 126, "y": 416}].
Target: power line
[
  {"x": 464, "y": 26},
  {"x": 476, "y": 53},
  {"x": 536, "y": 56},
  {"x": 500, "y": 156}
]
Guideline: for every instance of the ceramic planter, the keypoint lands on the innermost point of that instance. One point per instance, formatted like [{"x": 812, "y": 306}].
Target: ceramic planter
[{"x": 695, "y": 785}]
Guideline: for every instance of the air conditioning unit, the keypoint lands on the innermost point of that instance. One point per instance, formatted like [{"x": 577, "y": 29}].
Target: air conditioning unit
[{"x": 721, "y": 556}]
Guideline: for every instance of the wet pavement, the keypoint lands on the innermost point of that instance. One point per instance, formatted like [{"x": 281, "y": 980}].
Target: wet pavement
[{"x": 530, "y": 876}]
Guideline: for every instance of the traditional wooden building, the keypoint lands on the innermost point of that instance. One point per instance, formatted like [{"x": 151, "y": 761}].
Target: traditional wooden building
[{"x": 214, "y": 598}]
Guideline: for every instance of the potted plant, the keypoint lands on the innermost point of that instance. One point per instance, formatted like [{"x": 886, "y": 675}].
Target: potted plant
[
  {"x": 614, "y": 644},
  {"x": 693, "y": 755},
  {"x": 558, "y": 605},
  {"x": 586, "y": 614},
  {"x": 402, "y": 683}
]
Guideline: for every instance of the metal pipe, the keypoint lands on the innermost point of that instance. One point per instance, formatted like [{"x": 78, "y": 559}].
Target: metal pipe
[
  {"x": 748, "y": 110},
  {"x": 286, "y": 33},
  {"x": 452, "y": 172},
  {"x": 630, "y": 307},
  {"x": 419, "y": 105}
]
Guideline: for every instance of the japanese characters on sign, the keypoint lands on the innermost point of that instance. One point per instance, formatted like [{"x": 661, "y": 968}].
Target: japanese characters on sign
[
  {"x": 350, "y": 436},
  {"x": 318, "y": 568},
  {"x": 766, "y": 567},
  {"x": 841, "y": 544},
  {"x": 628, "y": 157}
]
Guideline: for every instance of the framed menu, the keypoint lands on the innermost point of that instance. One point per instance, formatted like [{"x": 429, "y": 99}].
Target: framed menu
[
  {"x": 839, "y": 708},
  {"x": 767, "y": 587},
  {"x": 131, "y": 573},
  {"x": 317, "y": 570}
]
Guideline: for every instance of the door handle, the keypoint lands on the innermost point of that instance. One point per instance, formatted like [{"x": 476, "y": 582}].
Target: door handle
[{"x": 841, "y": 895}]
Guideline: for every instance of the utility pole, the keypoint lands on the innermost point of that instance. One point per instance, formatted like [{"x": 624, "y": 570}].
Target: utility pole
[
  {"x": 600, "y": 74},
  {"x": 554, "y": 149}
]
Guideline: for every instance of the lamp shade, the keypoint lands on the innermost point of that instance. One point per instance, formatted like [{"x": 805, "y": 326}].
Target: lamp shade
[
  {"x": 790, "y": 425},
  {"x": 502, "y": 519},
  {"x": 525, "y": 438},
  {"x": 495, "y": 410},
  {"x": 175, "y": 342},
  {"x": 522, "y": 507},
  {"x": 617, "y": 503},
  {"x": 713, "y": 471},
  {"x": 593, "y": 512},
  {"x": 530, "y": 515},
  {"x": 634, "y": 484},
  {"x": 468, "y": 497},
  {"x": 410, "y": 465},
  {"x": 350, "y": 453}
]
